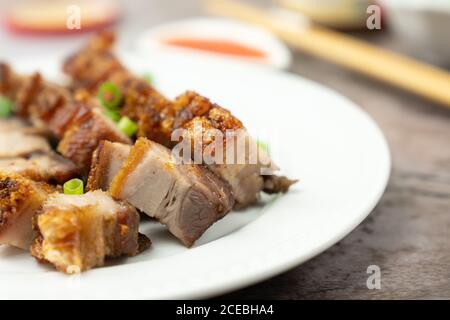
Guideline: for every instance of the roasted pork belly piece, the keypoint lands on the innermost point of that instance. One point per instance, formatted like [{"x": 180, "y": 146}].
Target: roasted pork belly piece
[
  {"x": 20, "y": 200},
  {"x": 107, "y": 161},
  {"x": 75, "y": 119},
  {"x": 158, "y": 117},
  {"x": 78, "y": 64},
  {"x": 47, "y": 167},
  {"x": 233, "y": 155},
  {"x": 45, "y": 105},
  {"x": 19, "y": 144},
  {"x": 54, "y": 108},
  {"x": 188, "y": 199},
  {"x": 77, "y": 233},
  {"x": 22, "y": 90},
  {"x": 85, "y": 134}
]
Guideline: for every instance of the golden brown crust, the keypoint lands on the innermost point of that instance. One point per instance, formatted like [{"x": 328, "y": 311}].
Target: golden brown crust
[
  {"x": 20, "y": 200},
  {"x": 85, "y": 134},
  {"x": 11, "y": 194},
  {"x": 191, "y": 105},
  {"x": 156, "y": 115},
  {"x": 137, "y": 153},
  {"x": 14, "y": 191},
  {"x": 83, "y": 63},
  {"x": 55, "y": 108},
  {"x": 106, "y": 162},
  {"x": 77, "y": 236},
  {"x": 99, "y": 167}
]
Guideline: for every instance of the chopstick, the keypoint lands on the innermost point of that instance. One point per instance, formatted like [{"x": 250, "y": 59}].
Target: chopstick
[{"x": 406, "y": 73}]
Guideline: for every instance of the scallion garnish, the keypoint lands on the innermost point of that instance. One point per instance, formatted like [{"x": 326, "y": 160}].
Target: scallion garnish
[
  {"x": 109, "y": 95},
  {"x": 148, "y": 77},
  {"x": 74, "y": 187},
  {"x": 127, "y": 126},
  {"x": 6, "y": 107},
  {"x": 113, "y": 115}
]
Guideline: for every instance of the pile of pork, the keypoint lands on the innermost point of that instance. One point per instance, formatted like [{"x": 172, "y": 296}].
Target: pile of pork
[{"x": 124, "y": 176}]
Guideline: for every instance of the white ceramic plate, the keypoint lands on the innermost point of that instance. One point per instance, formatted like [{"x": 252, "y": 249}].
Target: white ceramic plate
[
  {"x": 316, "y": 135},
  {"x": 278, "y": 55}
]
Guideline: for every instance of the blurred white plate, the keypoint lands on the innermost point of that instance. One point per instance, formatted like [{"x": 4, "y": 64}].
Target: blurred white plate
[
  {"x": 316, "y": 135},
  {"x": 277, "y": 53}
]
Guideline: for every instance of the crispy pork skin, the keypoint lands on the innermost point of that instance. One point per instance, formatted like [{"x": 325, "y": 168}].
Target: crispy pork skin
[
  {"x": 25, "y": 150},
  {"x": 77, "y": 233},
  {"x": 107, "y": 161},
  {"x": 47, "y": 167},
  {"x": 20, "y": 199},
  {"x": 242, "y": 161},
  {"x": 47, "y": 106},
  {"x": 188, "y": 199},
  {"x": 74, "y": 119},
  {"x": 54, "y": 108},
  {"x": 159, "y": 117},
  {"x": 85, "y": 134}
]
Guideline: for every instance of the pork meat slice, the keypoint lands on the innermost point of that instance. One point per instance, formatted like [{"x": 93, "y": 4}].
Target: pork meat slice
[
  {"x": 235, "y": 157},
  {"x": 20, "y": 199},
  {"x": 188, "y": 199},
  {"x": 84, "y": 135},
  {"x": 107, "y": 161},
  {"x": 76, "y": 233},
  {"x": 47, "y": 167},
  {"x": 159, "y": 118}
]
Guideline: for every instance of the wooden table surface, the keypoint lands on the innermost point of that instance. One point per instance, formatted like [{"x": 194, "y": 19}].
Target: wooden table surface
[{"x": 407, "y": 235}]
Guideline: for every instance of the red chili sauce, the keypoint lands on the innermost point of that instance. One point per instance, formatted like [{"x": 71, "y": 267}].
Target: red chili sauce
[{"x": 217, "y": 46}]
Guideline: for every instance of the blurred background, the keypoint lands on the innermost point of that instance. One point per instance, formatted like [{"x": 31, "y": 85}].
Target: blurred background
[
  {"x": 37, "y": 25},
  {"x": 391, "y": 57}
]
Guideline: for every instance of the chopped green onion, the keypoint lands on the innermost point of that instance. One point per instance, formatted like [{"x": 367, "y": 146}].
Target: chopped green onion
[
  {"x": 127, "y": 126},
  {"x": 113, "y": 115},
  {"x": 6, "y": 107},
  {"x": 148, "y": 77},
  {"x": 109, "y": 95},
  {"x": 264, "y": 146},
  {"x": 74, "y": 187}
]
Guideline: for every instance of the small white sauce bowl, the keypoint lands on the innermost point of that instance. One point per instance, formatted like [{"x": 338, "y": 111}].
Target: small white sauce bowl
[{"x": 276, "y": 53}]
